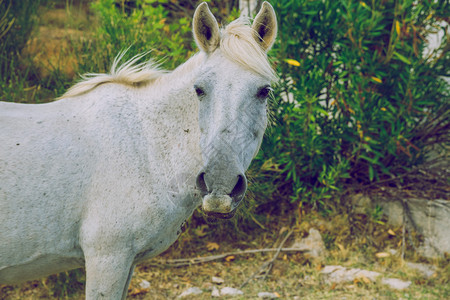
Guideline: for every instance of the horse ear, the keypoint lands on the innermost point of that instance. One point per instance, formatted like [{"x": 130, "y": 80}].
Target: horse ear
[
  {"x": 265, "y": 26},
  {"x": 206, "y": 29}
]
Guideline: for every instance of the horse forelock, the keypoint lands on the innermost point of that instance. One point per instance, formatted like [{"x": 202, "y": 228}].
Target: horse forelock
[{"x": 238, "y": 43}]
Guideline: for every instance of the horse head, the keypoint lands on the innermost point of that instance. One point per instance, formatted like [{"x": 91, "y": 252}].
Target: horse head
[{"x": 232, "y": 88}]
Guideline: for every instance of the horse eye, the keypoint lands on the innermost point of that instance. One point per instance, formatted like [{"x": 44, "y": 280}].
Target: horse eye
[
  {"x": 264, "y": 92},
  {"x": 199, "y": 91}
]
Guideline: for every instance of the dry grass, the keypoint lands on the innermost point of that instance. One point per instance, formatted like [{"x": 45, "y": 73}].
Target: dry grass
[
  {"x": 293, "y": 274},
  {"x": 54, "y": 43}
]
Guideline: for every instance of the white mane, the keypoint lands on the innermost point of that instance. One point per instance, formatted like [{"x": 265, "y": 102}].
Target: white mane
[
  {"x": 129, "y": 73},
  {"x": 237, "y": 43}
]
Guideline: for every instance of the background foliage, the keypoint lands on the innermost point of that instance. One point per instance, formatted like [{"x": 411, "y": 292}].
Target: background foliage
[{"x": 359, "y": 100}]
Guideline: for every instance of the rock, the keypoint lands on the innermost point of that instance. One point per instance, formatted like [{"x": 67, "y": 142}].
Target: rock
[
  {"x": 229, "y": 291},
  {"x": 267, "y": 295},
  {"x": 395, "y": 283},
  {"x": 393, "y": 251},
  {"x": 144, "y": 284},
  {"x": 339, "y": 274},
  {"x": 215, "y": 292},
  {"x": 426, "y": 270},
  {"x": 312, "y": 244},
  {"x": 217, "y": 280},
  {"x": 361, "y": 203},
  {"x": 190, "y": 291},
  {"x": 430, "y": 218},
  {"x": 331, "y": 269}
]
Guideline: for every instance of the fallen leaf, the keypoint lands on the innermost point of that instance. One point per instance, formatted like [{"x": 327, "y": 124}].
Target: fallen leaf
[
  {"x": 211, "y": 246},
  {"x": 391, "y": 232},
  {"x": 365, "y": 279},
  {"x": 382, "y": 254},
  {"x": 137, "y": 291},
  {"x": 230, "y": 258},
  {"x": 340, "y": 247},
  {"x": 201, "y": 231}
]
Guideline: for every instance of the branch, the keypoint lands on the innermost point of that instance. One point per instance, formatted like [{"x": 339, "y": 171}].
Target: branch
[{"x": 182, "y": 262}]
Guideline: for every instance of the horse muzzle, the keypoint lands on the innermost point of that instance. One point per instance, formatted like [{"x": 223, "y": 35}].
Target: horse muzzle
[{"x": 217, "y": 203}]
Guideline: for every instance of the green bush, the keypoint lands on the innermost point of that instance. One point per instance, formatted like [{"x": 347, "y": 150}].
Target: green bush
[{"x": 359, "y": 102}]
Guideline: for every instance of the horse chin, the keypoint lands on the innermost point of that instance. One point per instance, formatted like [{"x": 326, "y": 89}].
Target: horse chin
[
  {"x": 218, "y": 215},
  {"x": 214, "y": 217}
]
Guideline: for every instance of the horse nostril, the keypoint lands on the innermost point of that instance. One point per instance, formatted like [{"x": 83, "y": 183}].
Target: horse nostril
[
  {"x": 201, "y": 184},
  {"x": 240, "y": 187}
]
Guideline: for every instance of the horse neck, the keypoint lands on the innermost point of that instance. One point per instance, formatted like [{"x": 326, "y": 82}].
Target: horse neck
[{"x": 169, "y": 111}]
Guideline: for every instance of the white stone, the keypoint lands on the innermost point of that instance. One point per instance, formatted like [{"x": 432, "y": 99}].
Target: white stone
[
  {"x": 395, "y": 283},
  {"x": 312, "y": 244},
  {"x": 144, "y": 284},
  {"x": 331, "y": 269},
  {"x": 426, "y": 270},
  {"x": 217, "y": 280},
  {"x": 267, "y": 295},
  {"x": 191, "y": 291},
  {"x": 229, "y": 291},
  {"x": 339, "y": 274},
  {"x": 215, "y": 292}
]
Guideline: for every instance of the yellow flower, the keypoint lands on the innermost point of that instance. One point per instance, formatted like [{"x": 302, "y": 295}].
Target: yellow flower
[
  {"x": 383, "y": 108},
  {"x": 363, "y": 4},
  {"x": 292, "y": 62}
]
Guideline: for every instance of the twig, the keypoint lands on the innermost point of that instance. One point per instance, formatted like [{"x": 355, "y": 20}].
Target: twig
[
  {"x": 276, "y": 254},
  {"x": 403, "y": 234},
  {"x": 268, "y": 264},
  {"x": 182, "y": 262}
]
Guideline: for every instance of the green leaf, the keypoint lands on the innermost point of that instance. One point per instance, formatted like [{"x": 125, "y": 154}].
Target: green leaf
[
  {"x": 402, "y": 58},
  {"x": 371, "y": 173}
]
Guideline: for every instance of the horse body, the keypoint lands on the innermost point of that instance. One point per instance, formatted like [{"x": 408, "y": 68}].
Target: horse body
[
  {"x": 105, "y": 177},
  {"x": 78, "y": 181}
]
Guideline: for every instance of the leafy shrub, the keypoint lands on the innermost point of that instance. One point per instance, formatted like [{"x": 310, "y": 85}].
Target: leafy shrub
[{"x": 359, "y": 101}]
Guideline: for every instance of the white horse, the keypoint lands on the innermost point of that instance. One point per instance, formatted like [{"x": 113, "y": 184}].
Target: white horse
[{"x": 105, "y": 177}]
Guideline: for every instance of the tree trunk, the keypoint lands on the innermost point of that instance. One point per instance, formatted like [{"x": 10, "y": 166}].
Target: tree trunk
[{"x": 249, "y": 8}]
